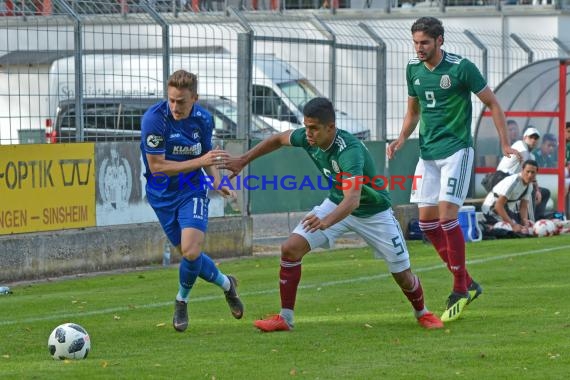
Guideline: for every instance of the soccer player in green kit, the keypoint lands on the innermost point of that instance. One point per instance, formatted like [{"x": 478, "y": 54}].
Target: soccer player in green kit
[
  {"x": 439, "y": 97},
  {"x": 353, "y": 204}
]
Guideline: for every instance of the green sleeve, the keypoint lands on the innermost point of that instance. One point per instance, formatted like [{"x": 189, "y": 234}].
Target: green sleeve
[
  {"x": 411, "y": 89},
  {"x": 351, "y": 160},
  {"x": 472, "y": 77},
  {"x": 298, "y": 138}
]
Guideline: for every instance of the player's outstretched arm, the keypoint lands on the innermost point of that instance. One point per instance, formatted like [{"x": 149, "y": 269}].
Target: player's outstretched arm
[
  {"x": 410, "y": 122},
  {"x": 159, "y": 164},
  {"x": 273, "y": 142}
]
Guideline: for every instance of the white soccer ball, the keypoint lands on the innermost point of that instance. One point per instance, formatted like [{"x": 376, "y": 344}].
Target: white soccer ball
[
  {"x": 558, "y": 226},
  {"x": 544, "y": 227},
  {"x": 502, "y": 226},
  {"x": 69, "y": 341}
]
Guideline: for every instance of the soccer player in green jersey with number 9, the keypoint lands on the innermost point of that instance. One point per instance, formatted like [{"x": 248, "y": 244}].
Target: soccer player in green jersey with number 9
[{"x": 439, "y": 97}]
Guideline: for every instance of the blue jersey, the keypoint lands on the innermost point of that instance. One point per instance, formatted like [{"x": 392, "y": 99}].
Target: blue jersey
[{"x": 178, "y": 140}]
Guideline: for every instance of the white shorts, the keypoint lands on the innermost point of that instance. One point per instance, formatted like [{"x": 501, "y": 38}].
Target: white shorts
[
  {"x": 381, "y": 231},
  {"x": 443, "y": 180}
]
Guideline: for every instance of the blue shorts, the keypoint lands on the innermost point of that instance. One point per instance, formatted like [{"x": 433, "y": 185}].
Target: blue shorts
[{"x": 191, "y": 212}]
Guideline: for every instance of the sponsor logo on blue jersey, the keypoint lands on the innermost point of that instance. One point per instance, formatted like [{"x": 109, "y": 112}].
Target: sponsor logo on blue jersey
[
  {"x": 153, "y": 141},
  {"x": 195, "y": 149}
]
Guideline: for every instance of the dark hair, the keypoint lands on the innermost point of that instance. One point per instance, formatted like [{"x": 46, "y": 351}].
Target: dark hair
[
  {"x": 429, "y": 25},
  {"x": 568, "y": 124},
  {"x": 549, "y": 137},
  {"x": 182, "y": 79},
  {"x": 530, "y": 162},
  {"x": 321, "y": 109}
]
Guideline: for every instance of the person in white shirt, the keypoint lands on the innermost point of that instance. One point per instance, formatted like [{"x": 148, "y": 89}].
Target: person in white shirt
[
  {"x": 510, "y": 199},
  {"x": 512, "y": 165}
]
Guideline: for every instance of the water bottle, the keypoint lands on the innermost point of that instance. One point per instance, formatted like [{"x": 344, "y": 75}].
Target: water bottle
[
  {"x": 5, "y": 290},
  {"x": 166, "y": 254}
]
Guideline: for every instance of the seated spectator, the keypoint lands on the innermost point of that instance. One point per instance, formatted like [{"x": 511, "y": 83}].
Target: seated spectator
[
  {"x": 546, "y": 155},
  {"x": 513, "y": 131},
  {"x": 510, "y": 199},
  {"x": 512, "y": 165}
]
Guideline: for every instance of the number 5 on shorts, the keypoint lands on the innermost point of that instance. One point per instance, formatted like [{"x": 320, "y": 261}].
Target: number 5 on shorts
[{"x": 397, "y": 241}]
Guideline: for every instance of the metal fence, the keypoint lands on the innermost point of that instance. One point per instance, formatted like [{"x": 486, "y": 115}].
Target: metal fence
[
  {"x": 46, "y": 7},
  {"x": 87, "y": 70}
]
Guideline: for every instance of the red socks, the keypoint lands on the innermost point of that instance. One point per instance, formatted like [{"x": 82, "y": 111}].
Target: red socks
[
  {"x": 289, "y": 277},
  {"x": 456, "y": 254},
  {"x": 435, "y": 234},
  {"x": 449, "y": 243},
  {"x": 415, "y": 295}
]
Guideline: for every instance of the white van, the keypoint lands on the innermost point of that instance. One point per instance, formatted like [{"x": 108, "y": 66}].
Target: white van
[{"x": 279, "y": 91}]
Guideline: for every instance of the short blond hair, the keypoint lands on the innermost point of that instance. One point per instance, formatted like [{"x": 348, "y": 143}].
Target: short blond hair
[{"x": 181, "y": 79}]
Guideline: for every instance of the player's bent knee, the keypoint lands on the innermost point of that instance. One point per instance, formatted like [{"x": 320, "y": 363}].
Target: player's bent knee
[
  {"x": 294, "y": 248},
  {"x": 191, "y": 252}
]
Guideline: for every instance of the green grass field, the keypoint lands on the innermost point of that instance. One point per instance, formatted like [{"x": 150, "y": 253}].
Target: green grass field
[{"x": 351, "y": 321}]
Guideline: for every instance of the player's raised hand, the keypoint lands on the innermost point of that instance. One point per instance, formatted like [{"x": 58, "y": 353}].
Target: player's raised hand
[{"x": 214, "y": 157}]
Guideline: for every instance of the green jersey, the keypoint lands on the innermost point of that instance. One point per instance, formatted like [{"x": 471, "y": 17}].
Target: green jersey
[
  {"x": 444, "y": 95},
  {"x": 347, "y": 157},
  {"x": 545, "y": 160}
]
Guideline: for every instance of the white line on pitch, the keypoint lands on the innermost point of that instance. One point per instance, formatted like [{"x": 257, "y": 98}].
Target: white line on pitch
[{"x": 68, "y": 316}]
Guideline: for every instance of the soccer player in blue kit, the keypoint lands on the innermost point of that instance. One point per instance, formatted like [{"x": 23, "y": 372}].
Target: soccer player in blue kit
[{"x": 176, "y": 146}]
